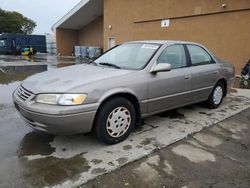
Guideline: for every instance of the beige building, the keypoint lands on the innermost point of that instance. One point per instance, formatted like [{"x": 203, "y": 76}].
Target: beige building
[{"x": 221, "y": 25}]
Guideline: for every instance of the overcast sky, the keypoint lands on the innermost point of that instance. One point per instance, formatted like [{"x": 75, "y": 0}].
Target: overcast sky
[{"x": 44, "y": 12}]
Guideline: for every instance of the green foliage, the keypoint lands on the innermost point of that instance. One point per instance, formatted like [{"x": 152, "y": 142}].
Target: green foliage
[{"x": 14, "y": 22}]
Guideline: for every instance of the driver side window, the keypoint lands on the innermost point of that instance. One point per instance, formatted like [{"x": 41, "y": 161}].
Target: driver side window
[{"x": 174, "y": 55}]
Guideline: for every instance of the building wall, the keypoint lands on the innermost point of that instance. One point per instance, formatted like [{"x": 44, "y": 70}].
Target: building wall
[
  {"x": 225, "y": 31},
  {"x": 92, "y": 34},
  {"x": 89, "y": 35},
  {"x": 66, "y": 40}
]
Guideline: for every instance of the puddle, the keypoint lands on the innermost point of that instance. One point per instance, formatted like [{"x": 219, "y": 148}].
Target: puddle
[
  {"x": 41, "y": 58},
  {"x": 6, "y": 92},
  {"x": 96, "y": 161},
  {"x": 11, "y": 76},
  {"x": 127, "y": 147},
  {"x": 172, "y": 114},
  {"x": 147, "y": 141},
  {"x": 98, "y": 171},
  {"x": 52, "y": 171},
  {"x": 122, "y": 160},
  {"x": 35, "y": 143},
  {"x": 10, "y": 80},
  {"x": 6, "y": 78}
]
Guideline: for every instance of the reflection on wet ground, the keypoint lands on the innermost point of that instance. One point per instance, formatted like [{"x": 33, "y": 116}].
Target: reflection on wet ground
[
  {"x": 14, "y": 69},
  {"x": 42, "y": 58},
  {"x": 6, "y": 92},
  {"x": 19, "y": 139},
  {"x": 19, "y": 73}
]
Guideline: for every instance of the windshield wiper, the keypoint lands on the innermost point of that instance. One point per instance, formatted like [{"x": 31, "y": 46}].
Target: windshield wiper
[{"x": 110, "y": 64}]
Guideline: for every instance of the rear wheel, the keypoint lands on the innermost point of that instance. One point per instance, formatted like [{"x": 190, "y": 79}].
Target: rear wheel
[
  {"x": 217, "y": 95},
  {"x": 115, "y": 120}
]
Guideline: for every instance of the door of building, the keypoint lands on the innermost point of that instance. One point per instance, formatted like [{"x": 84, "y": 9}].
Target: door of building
[{"x": 111, "y": 43}]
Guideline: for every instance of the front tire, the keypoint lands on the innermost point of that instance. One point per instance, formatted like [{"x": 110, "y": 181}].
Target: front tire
[
  {"x": 115, "y": 120},
  {"x": 216, "y": 97}
]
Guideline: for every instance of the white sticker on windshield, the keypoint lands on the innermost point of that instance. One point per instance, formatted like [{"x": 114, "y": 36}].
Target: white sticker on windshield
[{"x": 150, "y": 46}]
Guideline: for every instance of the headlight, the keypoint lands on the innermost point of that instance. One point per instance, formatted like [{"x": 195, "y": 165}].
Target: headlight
[{"x": 61, "y": 99}]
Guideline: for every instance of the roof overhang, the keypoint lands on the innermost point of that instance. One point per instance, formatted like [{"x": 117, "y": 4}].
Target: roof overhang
[{"x": 82, "y": 14}]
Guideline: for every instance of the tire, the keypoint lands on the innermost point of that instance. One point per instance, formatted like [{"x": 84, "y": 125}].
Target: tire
[
  {"x": 115, "y": 120},
  {"x": 216, "y": 97}
]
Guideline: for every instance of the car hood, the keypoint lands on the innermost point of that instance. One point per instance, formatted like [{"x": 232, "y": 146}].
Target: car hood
[{"x": 64, "y": 79}]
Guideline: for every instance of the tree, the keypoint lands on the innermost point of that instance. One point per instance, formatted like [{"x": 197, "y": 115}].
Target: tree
[{"x": 14, "y": 22}]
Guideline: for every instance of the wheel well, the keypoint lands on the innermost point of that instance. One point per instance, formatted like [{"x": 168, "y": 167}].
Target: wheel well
[
  {"x": 134, "y": 101},
  {"x": 225, "y": 85}
]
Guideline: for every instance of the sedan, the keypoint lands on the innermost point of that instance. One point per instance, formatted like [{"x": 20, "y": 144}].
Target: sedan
[{"x": 111, "y": 95}]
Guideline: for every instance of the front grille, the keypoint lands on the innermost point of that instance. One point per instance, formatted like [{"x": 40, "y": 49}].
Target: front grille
[{"x": 23, "y": 93}]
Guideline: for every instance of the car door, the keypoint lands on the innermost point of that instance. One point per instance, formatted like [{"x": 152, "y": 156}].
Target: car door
[
  {"x": 170, "y": 89},
  {"x": 204, "y": 72}
]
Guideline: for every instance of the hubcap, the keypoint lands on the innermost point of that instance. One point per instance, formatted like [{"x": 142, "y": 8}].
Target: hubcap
[
  {"x": 118, "y": 122},
  {"x": 218, "y": 94},
  {"x": 247, "y": 77}
]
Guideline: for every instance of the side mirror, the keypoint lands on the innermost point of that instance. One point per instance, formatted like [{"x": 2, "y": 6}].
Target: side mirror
[{"x": 161, "y": 67}]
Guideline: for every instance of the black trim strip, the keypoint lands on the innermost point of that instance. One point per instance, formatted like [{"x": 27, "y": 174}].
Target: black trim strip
[{"x": 190, "y": 16}]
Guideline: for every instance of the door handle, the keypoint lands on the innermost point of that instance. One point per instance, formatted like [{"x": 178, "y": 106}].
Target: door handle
[{"x": 187, "y": 77}]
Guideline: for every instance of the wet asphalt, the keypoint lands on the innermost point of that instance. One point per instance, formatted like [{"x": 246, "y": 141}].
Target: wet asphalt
[
  {"x": 226, "y": 162},
  {"x": 17, "y": 139},
  {"x": 217, "y": 157}
]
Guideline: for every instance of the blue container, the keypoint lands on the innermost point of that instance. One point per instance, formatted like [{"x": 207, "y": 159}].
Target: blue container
[{"x": 14, "y": 43}]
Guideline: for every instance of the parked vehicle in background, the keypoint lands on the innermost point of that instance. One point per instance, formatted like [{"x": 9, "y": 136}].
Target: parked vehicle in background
[
  {"x": 15, "y": 43},
  {"x": 245, "y": 73},
  {"x": 127, "y": 83}
]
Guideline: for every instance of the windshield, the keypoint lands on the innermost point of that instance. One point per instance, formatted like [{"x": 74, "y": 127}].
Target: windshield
[
  {"x": 2, "y": 42},
  {"x": 129, "y": 56}
]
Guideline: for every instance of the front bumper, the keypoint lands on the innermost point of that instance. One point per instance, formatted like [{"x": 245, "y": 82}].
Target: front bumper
[{"x": 59, "y": 120}]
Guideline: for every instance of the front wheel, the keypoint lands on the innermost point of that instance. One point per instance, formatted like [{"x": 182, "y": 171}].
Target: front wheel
[
  {"x": 115, "y": 120},
  {"x": 217, "y": 95}
]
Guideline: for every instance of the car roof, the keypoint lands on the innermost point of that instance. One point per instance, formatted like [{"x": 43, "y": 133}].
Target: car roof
[{"x": 162, "y": 42}]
